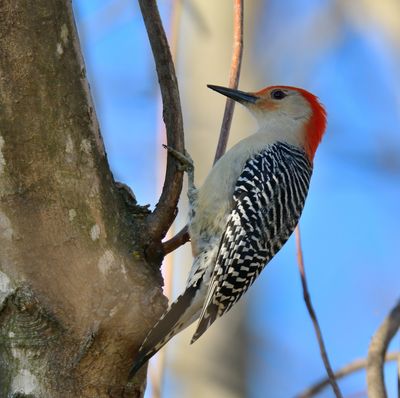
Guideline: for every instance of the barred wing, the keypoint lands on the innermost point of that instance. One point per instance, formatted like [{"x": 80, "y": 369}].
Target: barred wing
[{"x": 268, "y": 200}]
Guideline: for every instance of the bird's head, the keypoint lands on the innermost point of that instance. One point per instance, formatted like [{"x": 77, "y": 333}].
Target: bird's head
[{"x": 292, "y": 112}]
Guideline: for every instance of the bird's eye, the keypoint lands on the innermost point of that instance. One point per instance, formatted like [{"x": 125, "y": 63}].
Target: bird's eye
[{"x": 278, "y": 94}]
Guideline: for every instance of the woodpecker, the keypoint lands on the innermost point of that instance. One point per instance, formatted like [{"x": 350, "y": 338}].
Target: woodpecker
[{"x": 247, "y": 208}]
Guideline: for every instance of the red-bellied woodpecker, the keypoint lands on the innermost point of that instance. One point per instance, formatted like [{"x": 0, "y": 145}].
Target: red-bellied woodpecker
[{"x": 246, "y": 209}]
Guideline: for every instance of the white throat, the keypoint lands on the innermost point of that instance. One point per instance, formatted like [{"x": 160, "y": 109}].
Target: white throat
[{"x": 281, "y": 127}]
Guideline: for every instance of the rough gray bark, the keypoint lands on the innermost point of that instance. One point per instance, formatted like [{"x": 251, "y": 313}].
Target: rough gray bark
[{"x": 77, "y": 294}]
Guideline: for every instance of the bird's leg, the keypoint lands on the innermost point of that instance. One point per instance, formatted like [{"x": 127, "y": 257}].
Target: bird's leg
[{"x": 185, "y": 163}]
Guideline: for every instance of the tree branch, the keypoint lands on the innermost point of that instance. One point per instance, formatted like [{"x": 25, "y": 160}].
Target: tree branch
[
  {"x": 183, "y": 235},
  {"x": 352, "y": 367},
  {"x": 164, "y": 214},
  {"x": 398, "y": 376},
  {"x": 236, "y": 64},
  {"x": 313, "y": 316},
  {"x": 376, "y": 353},
  {"x": 176, "y": 241}
]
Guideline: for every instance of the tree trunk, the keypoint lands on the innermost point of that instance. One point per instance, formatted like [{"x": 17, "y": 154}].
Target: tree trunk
[{"x": 77, "y": 293}]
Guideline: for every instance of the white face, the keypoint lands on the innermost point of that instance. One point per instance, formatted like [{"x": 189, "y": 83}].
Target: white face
[{"x": 279, "y": 105}]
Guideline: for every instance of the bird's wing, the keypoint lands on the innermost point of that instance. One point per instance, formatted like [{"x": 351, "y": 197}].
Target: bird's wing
[{"x": 268, "y": 199}]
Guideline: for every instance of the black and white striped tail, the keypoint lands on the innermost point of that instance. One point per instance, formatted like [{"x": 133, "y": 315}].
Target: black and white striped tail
[
  {"x": 166, "y": 328},
  {"x": 205, "y": 322}
]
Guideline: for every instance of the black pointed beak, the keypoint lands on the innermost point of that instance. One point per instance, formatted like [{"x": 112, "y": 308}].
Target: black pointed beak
[{"x": 237, "y": 95}]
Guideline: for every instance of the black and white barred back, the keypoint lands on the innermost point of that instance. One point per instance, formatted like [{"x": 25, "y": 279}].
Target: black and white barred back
[{"x": 269, "y": 197}]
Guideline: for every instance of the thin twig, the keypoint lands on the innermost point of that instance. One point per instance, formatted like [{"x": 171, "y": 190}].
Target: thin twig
[
  {"x": 352, "y": 367},
  {"x": 376, "y": 353},
  {"x": 164, "y": 214},
  {"x": 313, "y": 316},
  {"x": 183, "y": 236},
  {"x": 398, "y": 376},
  {"x": 236, "y": 64}
]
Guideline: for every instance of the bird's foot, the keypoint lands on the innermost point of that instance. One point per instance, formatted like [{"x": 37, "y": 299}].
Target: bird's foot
[{"x": 185, "y": 162}]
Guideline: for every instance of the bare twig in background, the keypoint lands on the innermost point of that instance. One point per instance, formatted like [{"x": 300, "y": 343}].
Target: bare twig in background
[
  {"x": 352, "y": 367},
  {"x": 398, "y": 376},
  {"x": 376, "y": 353},
  {"x": 313, "y": 316},
  {"x": 233, "y": 78},
  {"x": 183, "y": 236},
  {"x": 164, "y": 214}
]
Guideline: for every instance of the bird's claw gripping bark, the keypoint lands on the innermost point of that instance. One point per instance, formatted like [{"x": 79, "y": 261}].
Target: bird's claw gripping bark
[{"x": 185, "y": 163}]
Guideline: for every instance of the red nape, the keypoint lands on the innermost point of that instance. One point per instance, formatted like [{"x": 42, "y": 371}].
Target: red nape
[{"x": 315, "y": 127}]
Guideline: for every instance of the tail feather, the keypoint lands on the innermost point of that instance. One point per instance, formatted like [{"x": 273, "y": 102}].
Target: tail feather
[
  {"x": 168, "y": 326},
  {"x": 210, "y": 314}
]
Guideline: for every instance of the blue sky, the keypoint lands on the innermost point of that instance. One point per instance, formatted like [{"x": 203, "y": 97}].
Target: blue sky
[{"x": 350, "y": 222}]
